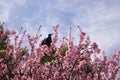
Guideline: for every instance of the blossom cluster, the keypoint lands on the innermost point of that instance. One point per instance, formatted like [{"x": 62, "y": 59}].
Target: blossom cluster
[{"x": 60, "y": 61}]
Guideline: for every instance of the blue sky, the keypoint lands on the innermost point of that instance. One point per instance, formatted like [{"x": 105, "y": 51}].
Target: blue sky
[{"x": 100, "y": 19}]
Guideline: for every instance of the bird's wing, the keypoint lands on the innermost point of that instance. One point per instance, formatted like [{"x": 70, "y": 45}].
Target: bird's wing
[{"x": 43, "y": 41}]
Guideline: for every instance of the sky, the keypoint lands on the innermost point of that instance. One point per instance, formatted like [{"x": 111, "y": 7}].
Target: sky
[{"x": 100, "y": 19}]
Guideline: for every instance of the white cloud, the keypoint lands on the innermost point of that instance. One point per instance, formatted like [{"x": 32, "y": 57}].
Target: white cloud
[
  {"x": 101, "y": 22},
  {"x": 99, "y": 19},
  {"x": 6, "y": 7}
]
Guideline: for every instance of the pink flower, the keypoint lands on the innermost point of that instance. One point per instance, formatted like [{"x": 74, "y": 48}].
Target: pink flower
[
  {"x": 7, "y": 32},
  {"x": 94, "y": 45},
  {"x": 56, "y": 74},
  {"x": 79, "y": 62},
  {"x": 13, "y": 32},
  {"x": 82, "y": 34}
]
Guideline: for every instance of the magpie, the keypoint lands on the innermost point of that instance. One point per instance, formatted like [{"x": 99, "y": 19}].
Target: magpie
[{"x": 47, "y": 41}]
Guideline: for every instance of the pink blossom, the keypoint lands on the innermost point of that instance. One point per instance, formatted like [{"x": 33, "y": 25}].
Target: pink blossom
[
  {"x": 62, "y": 61},
  {"x": 13, "y": 32}
]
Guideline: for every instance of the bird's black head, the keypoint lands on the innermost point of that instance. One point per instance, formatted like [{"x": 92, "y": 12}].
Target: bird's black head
[{"x": 49, "y": 35}]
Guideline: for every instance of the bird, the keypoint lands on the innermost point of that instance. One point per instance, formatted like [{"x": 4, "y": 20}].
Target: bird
[{"x": 47, "y": 41}]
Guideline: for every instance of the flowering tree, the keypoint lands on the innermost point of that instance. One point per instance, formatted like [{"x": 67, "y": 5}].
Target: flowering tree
[{"x": 65, "y": 61}]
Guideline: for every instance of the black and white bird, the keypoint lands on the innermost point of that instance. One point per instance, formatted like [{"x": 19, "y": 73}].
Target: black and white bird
[{"x": 47, "y": 41}]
